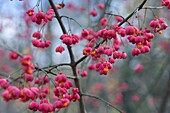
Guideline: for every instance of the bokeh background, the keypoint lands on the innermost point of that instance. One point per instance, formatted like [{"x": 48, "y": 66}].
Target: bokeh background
[{"x": 139, "y": 84}]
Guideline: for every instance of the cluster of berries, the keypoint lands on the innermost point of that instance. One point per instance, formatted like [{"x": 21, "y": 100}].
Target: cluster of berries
[
  {"x": 40, "y": 18},
  {"x": 70, "y": 39},
  {"x": 25, "y": 94},
  {"x": 158, "y": 25},
  {"x": 103, "y": 64},
  {"x": 103, "y": 67},
  {"x": 61, "y": 93},
  {"x": 166, "y": 3},
  {"x": 37, "y": 42},
  {"x": 140, "y": 38},
  {"x": 13, "y": 92}
]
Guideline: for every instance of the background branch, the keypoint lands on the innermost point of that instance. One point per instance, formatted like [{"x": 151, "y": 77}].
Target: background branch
[{"x": 98, "y": 98}]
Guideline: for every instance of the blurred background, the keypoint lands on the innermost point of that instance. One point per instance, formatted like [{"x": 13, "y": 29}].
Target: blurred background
[{"x": 139, "y": 84}]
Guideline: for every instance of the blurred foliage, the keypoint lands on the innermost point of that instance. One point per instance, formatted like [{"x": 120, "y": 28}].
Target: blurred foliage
[{"x": 151, "y": 85}]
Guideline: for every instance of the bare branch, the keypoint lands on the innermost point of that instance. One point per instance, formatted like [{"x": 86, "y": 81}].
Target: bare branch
[
  {"x": 98, "y": 98},
  {"x": 151, "y": 7}
]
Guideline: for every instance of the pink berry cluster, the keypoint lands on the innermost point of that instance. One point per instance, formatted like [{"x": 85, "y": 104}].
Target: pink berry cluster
[
  {"x": 13, "y": 92},
  {"x": 106, "y": 54},
  {"x": 166, "y": 3},
  {"x": 40, "y": 18},
  {"x": 61, "y": 91},
  {"x": 26, "y": 94},
  {"x": 63, "y": 96},
  {"x": 70, "y": 39},
  {"x": 103, "y": 67},
  {"x": 141, "y": 38},
  {"x": 158, "y": 25},
  {"x": 42, "y": 79},
  {"x": 37, "y": 42}
]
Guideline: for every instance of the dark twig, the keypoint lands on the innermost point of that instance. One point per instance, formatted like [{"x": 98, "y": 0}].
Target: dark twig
[
  {"x": 151, "y": 7},
  {"x": 72, "y": 59},
  {"x": 131, "y": 14}
]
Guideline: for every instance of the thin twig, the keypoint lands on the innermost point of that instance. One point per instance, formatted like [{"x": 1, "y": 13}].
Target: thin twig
[
  {"x": 56, "y": 66},
  {"x": 117, "y": 15},
  {"x": 96, "y": 97},
  {"x": 71, "y": 19},
  {"x": 151, "y": 7},
  {"x": 131, "y": 14}
]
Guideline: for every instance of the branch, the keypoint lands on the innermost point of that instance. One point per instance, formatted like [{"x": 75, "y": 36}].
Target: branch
[
  {"x": 142, "y": 4},
  {"x": 72, "y": 60},
  {"x": 57, "y": 16},
  {"x": 71, "y": 19},
  {"x": 56, "y": 66},
  {"x": 63, "y": 28},
  {"x": 98, "y": 98},
  {"x": 7, "y": 75},
  {"x": 131, "y": 14},
  {"x": 117, "y": 15},
  {"x": 73, "y": 64},
  {"x": 10, "y": 49},
  {"x": 15, "y": 79},
  {"x": 151, "y": 7}
]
